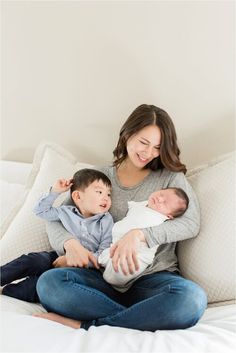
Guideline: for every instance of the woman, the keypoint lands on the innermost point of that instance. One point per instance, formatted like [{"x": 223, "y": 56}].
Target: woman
[{"x": 146, "y": 159}]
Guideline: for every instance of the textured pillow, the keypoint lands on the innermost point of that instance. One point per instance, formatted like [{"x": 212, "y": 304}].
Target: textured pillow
[
  {"x": 27, "y": 232},
  {"x": 8, "y": 192},
  {"x": 209, "y": 259}
]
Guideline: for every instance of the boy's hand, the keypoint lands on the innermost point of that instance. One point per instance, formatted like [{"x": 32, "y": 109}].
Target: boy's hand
[
  {"x": 60, "y": 262},
  {"x": 77, "y": 255},
  {"x": 62, "y": 185}
]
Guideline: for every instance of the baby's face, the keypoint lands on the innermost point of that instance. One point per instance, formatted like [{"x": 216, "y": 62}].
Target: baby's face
[{"x": 165, "y": 202}]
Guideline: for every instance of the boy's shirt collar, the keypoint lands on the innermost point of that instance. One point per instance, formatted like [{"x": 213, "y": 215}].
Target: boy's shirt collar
[{"x": 94, "y": 217}]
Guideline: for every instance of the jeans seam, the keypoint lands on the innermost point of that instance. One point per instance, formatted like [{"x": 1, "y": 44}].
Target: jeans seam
[{"x": 95, "y": 292}]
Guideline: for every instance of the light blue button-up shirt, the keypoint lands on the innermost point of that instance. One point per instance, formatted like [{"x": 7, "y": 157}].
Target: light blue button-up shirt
[{"x": 94, "y": 233}]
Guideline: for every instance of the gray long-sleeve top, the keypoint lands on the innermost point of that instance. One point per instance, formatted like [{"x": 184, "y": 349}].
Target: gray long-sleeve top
[{"x": 165, "y": 235}]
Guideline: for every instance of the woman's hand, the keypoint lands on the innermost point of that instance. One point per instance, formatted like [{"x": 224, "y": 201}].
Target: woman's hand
[
  {"x": 124, "y": 252},
  {"x": 77, "y": 255}
]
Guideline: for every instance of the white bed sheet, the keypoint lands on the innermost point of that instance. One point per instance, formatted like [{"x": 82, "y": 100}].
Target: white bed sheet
[{"x": 215, "y": 333}]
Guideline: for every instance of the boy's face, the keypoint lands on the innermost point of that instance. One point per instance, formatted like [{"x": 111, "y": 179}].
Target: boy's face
[
  {"x": 165, "y": 202},
  {"x": 95, "y": 199}
]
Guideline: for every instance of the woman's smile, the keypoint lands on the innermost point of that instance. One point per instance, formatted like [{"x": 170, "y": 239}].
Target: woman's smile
[{"x": 143, "y": 159}]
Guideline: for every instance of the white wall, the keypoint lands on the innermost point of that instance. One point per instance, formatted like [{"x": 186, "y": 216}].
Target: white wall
[{"x": 73, "y": 71}]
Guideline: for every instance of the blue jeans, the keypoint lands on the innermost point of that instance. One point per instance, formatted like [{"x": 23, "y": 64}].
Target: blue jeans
[
  {"x": 159, "y": 301},
  {"x": 30, "y": 266}
]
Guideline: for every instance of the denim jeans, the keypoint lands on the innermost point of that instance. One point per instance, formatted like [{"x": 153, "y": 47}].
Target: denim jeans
[
  {"x": 30, "y": 266},
  {"x": 161, "y": 300}
]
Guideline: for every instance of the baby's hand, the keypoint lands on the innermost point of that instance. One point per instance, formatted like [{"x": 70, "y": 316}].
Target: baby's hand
[{"x": 62, "y": 185}]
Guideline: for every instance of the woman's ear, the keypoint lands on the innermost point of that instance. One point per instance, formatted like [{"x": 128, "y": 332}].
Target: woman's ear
[{"x": 75, "y": 195}]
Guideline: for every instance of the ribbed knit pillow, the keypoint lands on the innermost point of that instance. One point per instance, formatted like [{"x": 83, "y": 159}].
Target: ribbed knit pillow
[{"x": 209, "y": 259}]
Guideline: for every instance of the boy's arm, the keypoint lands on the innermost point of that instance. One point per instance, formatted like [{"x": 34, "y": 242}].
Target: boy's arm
[{"x": 44, "y": 207}]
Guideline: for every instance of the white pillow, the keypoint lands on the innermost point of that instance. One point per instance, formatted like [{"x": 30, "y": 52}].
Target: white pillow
[
  {"x": 9, "y": 192},
  {"x": 27, "y": 232},
  {"x": 14, "y": 172},
  {"x": 209, "y": 259}
]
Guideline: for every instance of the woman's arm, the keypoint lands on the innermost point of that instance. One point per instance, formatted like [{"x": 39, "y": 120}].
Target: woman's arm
[{"x": 57, "y": 234}]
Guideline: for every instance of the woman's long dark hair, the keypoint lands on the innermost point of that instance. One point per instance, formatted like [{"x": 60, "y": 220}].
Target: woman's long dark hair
[{"x": 146, "y": 115}]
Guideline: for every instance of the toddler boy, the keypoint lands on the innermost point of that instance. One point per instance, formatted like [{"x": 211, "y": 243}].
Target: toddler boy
[{"x": 87, "y": 219}]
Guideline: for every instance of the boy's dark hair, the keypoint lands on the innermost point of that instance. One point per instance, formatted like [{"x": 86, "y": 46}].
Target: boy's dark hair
[
  {"x": 183, "y": 196},
  {"x": 84, "y": 177}
]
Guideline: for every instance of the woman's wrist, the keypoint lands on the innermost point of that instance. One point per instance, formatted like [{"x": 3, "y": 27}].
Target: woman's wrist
[
  {"x": 70, "y": 243},
  {"x": 139, "y": 234}
]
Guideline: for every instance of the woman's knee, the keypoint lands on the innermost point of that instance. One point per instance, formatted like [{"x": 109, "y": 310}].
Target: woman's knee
[
  {"x": 50, "y": 289},
  {"x": 194, "y": 301},
  {"x": 55, "y": 281},
  {"x": 48, "y": 282}
]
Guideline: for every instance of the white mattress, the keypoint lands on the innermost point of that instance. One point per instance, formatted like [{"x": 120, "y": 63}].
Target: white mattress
[{"x": 21, "y": 332}]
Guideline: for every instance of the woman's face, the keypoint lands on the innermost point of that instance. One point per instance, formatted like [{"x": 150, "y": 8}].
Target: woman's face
[{"x": 144, "y": 146}]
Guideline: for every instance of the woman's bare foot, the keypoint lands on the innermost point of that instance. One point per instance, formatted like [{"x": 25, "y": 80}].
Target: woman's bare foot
[{"x": 60, "y": 319}]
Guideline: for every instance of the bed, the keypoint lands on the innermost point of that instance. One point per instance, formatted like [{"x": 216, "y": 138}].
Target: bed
[{"x": 20, "y": 185}]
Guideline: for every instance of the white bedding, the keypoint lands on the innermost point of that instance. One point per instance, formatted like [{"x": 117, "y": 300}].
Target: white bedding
[
  {"x": 21, "y": 332},
  {"x": 215, "y": 333}
]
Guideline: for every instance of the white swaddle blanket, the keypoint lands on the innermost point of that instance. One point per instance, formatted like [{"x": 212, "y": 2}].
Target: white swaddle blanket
[{"x": 138, "y": 216}]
